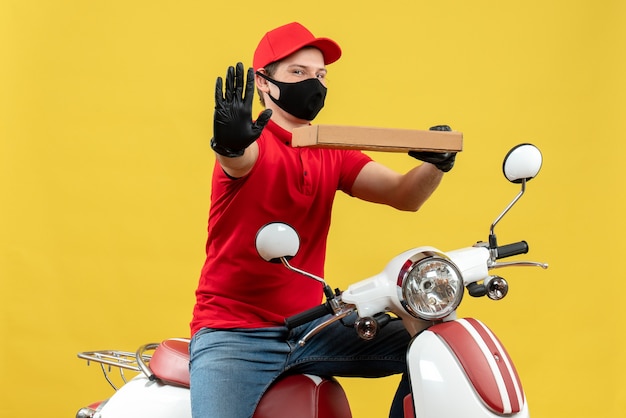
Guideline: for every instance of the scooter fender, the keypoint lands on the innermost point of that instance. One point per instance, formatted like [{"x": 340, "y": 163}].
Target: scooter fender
[
  {"x": 460, "y": 368},
  {"x": 141, "y": 397}
]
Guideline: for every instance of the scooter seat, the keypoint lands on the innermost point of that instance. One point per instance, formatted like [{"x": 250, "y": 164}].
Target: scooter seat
[
  {"x": 290, "y": 396},
  {"x": 304, "y": 396},
  {"x": 170, "y": 362}
]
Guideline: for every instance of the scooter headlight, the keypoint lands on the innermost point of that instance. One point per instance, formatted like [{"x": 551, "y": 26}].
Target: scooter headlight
[{"x": 430, "y": 286}]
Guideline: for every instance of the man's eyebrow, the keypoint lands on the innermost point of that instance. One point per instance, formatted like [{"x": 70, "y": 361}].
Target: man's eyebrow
[{"x": 304, "y": 67}]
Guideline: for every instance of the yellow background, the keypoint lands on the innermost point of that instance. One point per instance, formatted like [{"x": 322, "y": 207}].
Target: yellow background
[{"x": 105, "y": 116}]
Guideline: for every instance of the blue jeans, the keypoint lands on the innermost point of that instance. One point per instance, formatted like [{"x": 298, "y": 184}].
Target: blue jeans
[{"x": 231, "y": 369}]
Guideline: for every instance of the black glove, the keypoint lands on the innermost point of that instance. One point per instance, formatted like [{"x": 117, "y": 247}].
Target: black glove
[
  {"x": 444, "y": 161},
  {"x": 233, "y": 129}
]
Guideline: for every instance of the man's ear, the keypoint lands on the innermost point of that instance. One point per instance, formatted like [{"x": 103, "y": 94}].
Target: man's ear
[{"x": 261, "y": 83}]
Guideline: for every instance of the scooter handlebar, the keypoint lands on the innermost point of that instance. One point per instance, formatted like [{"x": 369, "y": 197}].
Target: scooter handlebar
[
  {"x": 515, "y": 248},
  {"x": 308, "y": 316}
]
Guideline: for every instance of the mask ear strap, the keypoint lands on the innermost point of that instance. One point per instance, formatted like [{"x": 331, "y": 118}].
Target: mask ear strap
[
  {"x": 271, "y": 80},
  {"x": 265, "y": 77},
  {"x": 277, "y": 83}
]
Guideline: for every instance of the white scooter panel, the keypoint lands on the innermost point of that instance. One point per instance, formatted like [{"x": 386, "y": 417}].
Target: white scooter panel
[
  {"x": 142, "y": 398},
  {"x": 459, "y": 368}
]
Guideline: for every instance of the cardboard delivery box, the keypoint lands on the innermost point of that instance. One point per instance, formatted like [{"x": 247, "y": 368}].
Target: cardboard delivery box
[{"x": 376, "y": 139}]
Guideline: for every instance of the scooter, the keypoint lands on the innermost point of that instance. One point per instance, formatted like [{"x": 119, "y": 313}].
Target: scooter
[{"x": 457, "y": 366}]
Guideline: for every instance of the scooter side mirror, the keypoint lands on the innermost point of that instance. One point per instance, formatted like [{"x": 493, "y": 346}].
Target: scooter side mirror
[
  {"x": 522, "y": 162},
  {"x": 277, "y": 240}
]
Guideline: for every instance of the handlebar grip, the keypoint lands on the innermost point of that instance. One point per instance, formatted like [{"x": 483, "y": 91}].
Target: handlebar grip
[
  {"x": 307, "y": 316},
  {"x": 512, "y": 249}
]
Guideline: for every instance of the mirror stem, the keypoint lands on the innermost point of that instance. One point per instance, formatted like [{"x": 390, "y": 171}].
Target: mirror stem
[
  {"x": 304, "y": 273},
  {"x": 519, "y": 195}
]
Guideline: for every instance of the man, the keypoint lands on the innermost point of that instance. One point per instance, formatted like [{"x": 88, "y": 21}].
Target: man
[{"x": 240, "y": 344}]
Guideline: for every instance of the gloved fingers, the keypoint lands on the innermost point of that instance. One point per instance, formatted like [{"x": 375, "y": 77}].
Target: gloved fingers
[
  {"x": 219, "y": 95},
  {"x": 444, "y": 161},
  {"x": 430, "y": 157},
  {"x": 445, "y": 128},
  {"x": 230, "y": 84},
  {"x": 247, "y": 99},
  {"x": 263, "y": 118},
  {"x": 448, "y": 163},
  {"x": 238, "y": 81}
]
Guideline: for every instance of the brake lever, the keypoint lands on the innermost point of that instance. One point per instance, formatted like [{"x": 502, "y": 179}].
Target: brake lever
[
  {"x": 342, "y": 313},
  {"x": 499, "y": 264}
]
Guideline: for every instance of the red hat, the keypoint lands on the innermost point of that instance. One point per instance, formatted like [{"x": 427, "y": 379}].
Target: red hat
[{"x": 285, "y": 40}]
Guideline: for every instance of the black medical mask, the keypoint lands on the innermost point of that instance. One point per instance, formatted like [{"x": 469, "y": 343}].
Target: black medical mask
[{"x": 303, "y": 99}]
